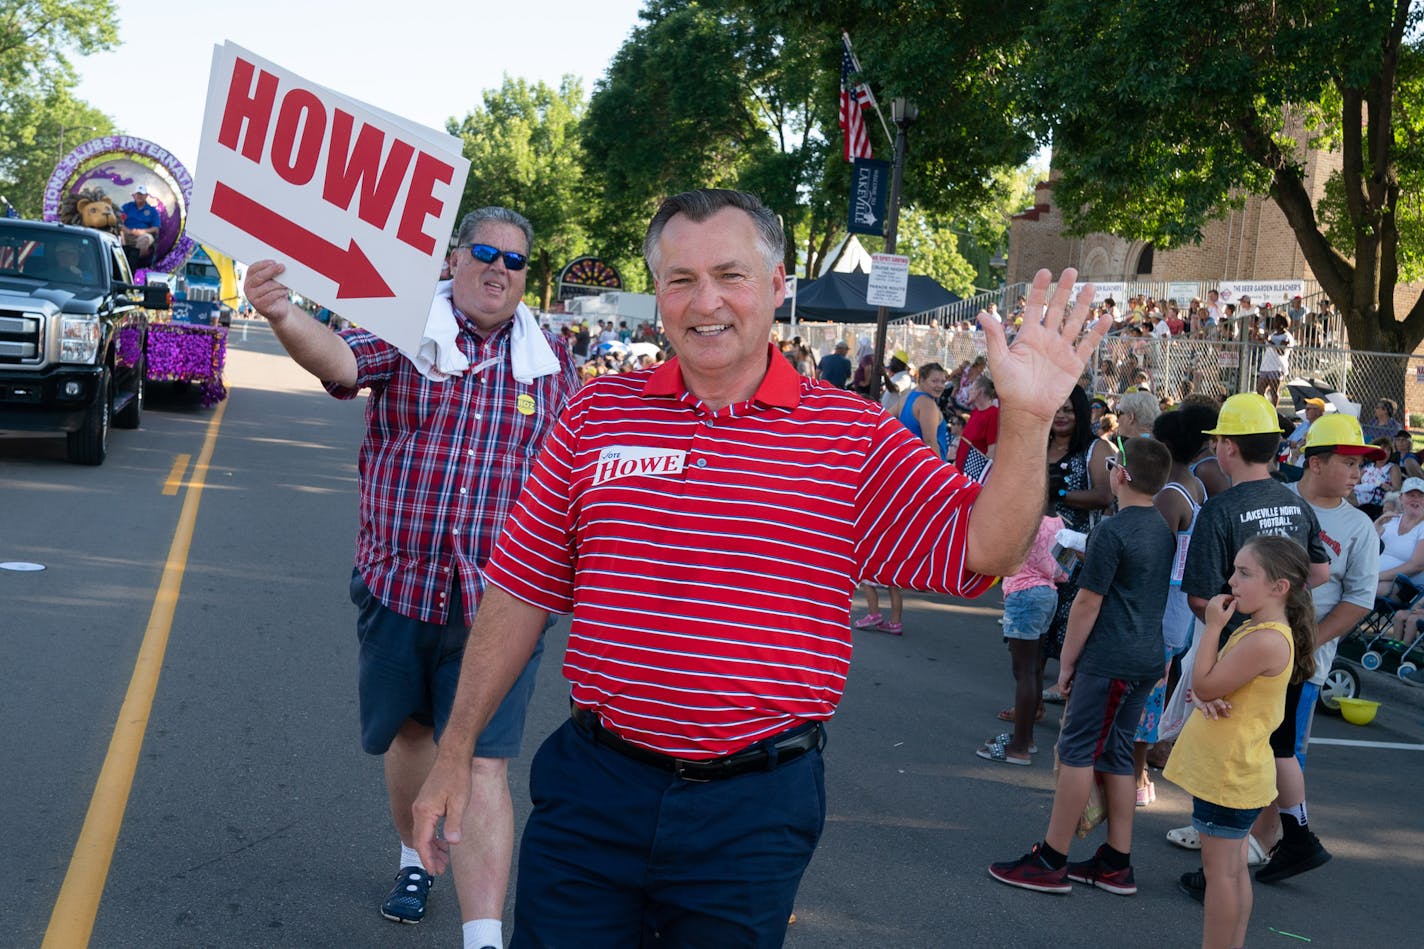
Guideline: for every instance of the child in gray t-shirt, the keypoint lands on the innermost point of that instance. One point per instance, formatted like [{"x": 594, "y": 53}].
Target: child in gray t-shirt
[{"x": 1112, "y": 655}]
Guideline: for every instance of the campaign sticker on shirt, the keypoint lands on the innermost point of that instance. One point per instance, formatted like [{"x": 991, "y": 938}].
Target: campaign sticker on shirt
[
  {"x": 525, "y": 404},
  {"x": 624, "y": 461}
]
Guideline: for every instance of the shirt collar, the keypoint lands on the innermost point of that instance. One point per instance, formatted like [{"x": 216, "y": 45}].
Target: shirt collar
[
  {"x": 779, "y": 388},
  {"x": 467, "y": 326}
]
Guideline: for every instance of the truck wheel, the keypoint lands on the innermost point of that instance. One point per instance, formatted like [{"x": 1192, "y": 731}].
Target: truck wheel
[
  {"x": 130, "y": 415},
  {"x": 90, "y": 444}
]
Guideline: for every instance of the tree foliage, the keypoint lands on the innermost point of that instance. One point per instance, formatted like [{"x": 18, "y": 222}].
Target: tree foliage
[
  {"x": 957, "y": 60},
  {"x": 679, "y": 109},
  {"x": 39, "y": 117},
  {"x": 523, "y": 147},
  {"x": 1167, "y": 113},
  {"x": 744, "y": 93}
]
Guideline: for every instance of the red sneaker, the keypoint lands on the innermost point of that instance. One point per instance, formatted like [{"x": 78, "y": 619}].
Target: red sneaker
[
  {"x": 1032, "y": 872},
  {"x": 1095, "y": 872}
]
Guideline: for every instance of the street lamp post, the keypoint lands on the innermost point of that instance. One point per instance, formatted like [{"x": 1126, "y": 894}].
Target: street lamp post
[{"x": 903, "y": 112}]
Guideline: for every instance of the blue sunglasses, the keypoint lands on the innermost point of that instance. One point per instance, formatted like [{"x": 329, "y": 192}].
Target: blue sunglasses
[{"x": 486, "y": 254}]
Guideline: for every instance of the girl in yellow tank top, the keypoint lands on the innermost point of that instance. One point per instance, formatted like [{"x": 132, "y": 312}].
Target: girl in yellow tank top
[{"x": 1223, "y": 755}]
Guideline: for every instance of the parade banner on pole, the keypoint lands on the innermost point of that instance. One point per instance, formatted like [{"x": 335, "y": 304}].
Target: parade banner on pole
[
  {"x": 356, "y": 202},
  {"x": 869, "y": 185}
]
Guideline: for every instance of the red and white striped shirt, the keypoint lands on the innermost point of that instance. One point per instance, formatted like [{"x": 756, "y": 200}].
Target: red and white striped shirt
[{"x": 709, "y": 558}]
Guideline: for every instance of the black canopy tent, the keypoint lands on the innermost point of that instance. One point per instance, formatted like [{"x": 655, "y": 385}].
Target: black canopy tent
[{"x": 840, "y": 298}]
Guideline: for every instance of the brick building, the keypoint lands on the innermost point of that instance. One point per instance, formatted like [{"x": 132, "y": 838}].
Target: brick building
[{"x": 1254, "y": 243}]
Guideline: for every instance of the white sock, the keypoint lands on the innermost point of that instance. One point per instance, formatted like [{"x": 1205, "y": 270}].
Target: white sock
[
  {"x": 1297, "y": 811},
  {"x": 480, "y": 933},
  {"x": 409, "y": 858}
]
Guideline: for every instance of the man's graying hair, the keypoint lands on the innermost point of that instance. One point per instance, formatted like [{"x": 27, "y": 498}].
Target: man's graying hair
[
  {"x": 471, "y": 222},
  {"x": 702, "y": 204}
]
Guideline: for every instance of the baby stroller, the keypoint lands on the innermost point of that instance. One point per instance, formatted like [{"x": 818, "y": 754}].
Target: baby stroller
[{"x": 1372, "y": 644}]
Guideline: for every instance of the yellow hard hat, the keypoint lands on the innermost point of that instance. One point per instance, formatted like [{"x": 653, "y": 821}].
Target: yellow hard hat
[
  {"x": 1246, "y": 414},
  {"x": 1341, "y": 434}
]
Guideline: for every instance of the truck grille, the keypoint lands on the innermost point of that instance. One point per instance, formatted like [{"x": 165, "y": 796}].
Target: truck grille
[{"x": 21, "y": 339}]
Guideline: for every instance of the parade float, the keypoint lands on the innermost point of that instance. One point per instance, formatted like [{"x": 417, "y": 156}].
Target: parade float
[{"x": 186, "y": 344}]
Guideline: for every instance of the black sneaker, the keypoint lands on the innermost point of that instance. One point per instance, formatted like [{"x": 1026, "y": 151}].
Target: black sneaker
[
  {"x": 406, "y": 902},
  {"x": 1032, "y": 872},
  {"x": 1193, "y": 884},
  {"x": 1292, "y": 857},
  {"x": 1096, "y": 872}
]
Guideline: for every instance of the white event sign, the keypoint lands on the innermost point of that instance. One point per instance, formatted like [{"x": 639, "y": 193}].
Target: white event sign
[
  {"x": 889, "y": 277},
  {"x": 356, "y": 202},
  {"x": 1274, "y": 292},
  {"x": 1117, "y": 292},
  {"x": 1182, "y": 292}
]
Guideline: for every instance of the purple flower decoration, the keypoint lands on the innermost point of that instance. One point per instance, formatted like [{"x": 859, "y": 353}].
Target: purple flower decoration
[
  {"x": 128, "y": 349},
  {"x": 178, "y": 352}
]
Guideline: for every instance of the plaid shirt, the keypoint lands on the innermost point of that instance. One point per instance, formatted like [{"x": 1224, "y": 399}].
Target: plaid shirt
[{"x": 442, "y": 464}]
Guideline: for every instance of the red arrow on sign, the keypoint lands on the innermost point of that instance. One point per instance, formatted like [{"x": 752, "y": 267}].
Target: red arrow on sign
[{"x": 349, "y": 268}]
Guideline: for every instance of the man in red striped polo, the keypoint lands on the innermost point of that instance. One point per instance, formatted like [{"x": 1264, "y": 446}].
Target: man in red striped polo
[{"x": 706, "y": 523}]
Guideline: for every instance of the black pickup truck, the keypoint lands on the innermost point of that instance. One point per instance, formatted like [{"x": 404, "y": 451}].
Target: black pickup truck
[{"x": 72, "y": 333}]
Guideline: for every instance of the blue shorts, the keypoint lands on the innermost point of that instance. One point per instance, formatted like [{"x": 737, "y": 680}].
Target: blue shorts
[
  {"x": 1100, "y": 721},
  {"x": 1231, "y": 823},
  {"x": 408, "y": 669},
  {"x": 1028, "y": 613}
]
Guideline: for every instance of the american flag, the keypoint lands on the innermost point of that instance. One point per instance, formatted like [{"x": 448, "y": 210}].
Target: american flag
[
  {"x": 854, "y": 99},
  {"x": 976, "y": 464},
  {"x": 14, "y": 257}
]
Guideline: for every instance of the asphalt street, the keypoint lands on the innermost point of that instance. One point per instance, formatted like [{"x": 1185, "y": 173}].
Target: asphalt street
[{"x": 253, "y": 819}]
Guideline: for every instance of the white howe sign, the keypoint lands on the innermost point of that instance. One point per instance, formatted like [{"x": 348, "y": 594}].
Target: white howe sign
[
  {"x": 889, "y": 276},
  {"x": 356, "y": 202}
]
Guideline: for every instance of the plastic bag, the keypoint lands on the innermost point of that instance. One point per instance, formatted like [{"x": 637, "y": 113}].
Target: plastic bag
[
  {"x": 1179, "y": 704},
  {"x": 1096, "y": 810}
]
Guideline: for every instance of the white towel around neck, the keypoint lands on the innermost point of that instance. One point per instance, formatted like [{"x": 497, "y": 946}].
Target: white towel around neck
[{"x": 438, "y": 356}]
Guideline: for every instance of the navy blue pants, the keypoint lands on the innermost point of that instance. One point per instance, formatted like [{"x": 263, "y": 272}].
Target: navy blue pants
[{"x": 619, "y": 854}]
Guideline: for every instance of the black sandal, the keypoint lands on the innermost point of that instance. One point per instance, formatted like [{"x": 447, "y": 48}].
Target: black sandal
[{"x": 406, "y": 902}]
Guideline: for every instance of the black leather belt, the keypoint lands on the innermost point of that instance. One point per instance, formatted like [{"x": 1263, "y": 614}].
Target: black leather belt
[{"x": 765, "y": 755}]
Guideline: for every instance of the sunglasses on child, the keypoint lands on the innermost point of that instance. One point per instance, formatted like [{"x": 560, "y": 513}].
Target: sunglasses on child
[
  {"x": 1114, "y": 465},
  {"x": 486, "y": 254}
]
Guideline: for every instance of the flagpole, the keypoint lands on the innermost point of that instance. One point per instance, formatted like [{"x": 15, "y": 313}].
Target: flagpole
[{"x": 845, "y": 38}]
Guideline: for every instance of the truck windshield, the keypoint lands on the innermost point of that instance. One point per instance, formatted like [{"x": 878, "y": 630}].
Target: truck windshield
[{"x": 69, "y": 258}]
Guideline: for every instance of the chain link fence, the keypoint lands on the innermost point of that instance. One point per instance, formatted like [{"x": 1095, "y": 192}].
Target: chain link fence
[{"x": 1176, "y": 367}]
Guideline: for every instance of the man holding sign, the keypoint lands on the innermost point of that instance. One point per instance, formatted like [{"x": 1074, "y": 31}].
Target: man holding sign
[{"x": 440, "y": 466}]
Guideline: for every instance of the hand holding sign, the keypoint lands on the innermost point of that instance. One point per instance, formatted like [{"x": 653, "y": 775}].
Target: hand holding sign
[{"x": 358, "y": 203}]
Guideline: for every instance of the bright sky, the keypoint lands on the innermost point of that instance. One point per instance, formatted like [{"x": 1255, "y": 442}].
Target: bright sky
[{"x": 424, "y": 60}]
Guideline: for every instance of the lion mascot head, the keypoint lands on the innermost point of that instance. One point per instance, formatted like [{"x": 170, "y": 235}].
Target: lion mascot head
[{"x": 90, "y": 208}]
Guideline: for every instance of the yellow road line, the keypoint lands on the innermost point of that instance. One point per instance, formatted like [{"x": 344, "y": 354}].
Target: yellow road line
[
  {"x": 72, "y": 921},
  {"x": 175, "y": 475}
]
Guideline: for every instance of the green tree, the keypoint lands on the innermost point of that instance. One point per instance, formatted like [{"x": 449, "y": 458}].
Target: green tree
[
  {"x": 957, "y": 60},
  {"x": 934, "y": 251},
  {"x": 1167, "y": 113},
  {"x": 523, "y": 147},
  {"x": 37, "y": 108},
  {"x": 703, "y": 94}
]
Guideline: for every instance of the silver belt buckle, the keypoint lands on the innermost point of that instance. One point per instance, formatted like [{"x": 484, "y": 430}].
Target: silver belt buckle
[{"x": 679, "y": 770}]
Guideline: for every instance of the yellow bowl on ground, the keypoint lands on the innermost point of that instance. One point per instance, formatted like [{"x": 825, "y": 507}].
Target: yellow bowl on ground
[{"x": 1358, "y": 711}]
